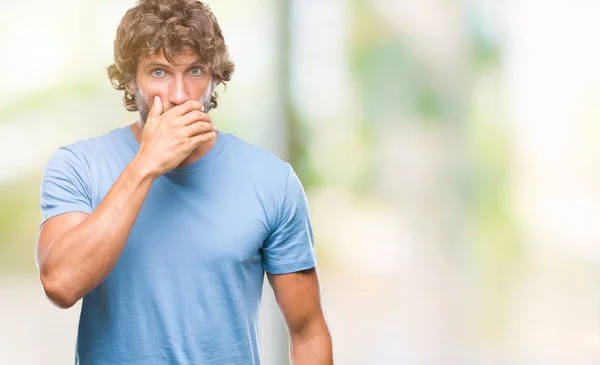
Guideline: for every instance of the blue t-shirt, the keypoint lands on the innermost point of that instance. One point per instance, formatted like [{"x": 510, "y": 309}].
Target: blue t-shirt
[{"x": 187, "y": 287}]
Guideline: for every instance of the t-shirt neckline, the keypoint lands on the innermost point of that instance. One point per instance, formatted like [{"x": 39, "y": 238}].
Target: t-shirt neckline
[{"x": 209, "y": 156}]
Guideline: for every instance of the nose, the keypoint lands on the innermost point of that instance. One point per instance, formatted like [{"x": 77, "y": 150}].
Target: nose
[{"x": 177, "y": 91}]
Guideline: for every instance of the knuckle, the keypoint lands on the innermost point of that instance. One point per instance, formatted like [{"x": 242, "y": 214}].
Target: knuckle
[
  {"x": 196, "y": 114},
  {"x": 180, "y": 121}
]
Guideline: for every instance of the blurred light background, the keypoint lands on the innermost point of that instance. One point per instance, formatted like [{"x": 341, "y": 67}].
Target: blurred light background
[{"x": 450, "y": 151}]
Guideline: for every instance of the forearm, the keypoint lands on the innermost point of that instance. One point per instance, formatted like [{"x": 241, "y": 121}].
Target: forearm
[
  {"x": 78, "y": 261},
  {"x": 313, "y": 350}
]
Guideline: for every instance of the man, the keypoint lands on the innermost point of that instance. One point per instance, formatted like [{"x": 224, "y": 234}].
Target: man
[{"x": 166, "y": 227}]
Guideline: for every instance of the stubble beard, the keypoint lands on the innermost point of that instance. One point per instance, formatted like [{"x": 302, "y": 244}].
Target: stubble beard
[{"x": 144, "y": 109}]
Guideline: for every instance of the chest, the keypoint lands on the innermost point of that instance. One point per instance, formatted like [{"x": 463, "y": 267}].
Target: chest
[{"x": 186, "y": 224}]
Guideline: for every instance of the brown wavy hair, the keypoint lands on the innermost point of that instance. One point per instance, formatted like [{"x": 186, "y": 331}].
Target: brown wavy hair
[{"x": 170, "y": 25}]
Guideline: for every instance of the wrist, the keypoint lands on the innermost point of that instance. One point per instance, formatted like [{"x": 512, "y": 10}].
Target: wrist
[{"x": 140, "y": 170}]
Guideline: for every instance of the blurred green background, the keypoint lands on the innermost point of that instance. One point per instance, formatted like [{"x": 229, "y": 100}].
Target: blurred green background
[{"x": 449, "y": 150}]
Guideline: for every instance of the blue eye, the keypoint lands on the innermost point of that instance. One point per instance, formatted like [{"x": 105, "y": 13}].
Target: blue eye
[
  {"x": 195, "y": 71},
  {"x": 158, "y": 73}
]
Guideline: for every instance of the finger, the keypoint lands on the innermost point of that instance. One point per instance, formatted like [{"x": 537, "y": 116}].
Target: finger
[
  {"x": 193, "y": 117},
  {"x": 185, "y": 108},
  {"x": 197, "y": 128},
  {"x": 202, "y": 138},
  {"x": 157, "y": 108}
]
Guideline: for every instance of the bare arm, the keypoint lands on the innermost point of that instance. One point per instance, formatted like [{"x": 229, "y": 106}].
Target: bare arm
[
  {"x": 76, "y": 251},
  {"x": 298, "y": 296}
]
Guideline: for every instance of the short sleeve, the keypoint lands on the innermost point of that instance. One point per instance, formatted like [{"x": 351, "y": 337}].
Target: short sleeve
[
  {"x": 290, "y": 246},
  {"x": 65, "y": 186}
]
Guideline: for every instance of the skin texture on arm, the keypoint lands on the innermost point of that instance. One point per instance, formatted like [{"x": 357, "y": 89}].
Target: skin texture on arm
[{"x": 299, "y": 298}]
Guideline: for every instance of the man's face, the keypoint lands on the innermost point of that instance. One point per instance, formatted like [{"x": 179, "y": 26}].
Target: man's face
[{"x": 175, "y": 83}]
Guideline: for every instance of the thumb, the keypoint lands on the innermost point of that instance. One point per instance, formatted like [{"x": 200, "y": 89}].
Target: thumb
[{"x": 157, "y": 108}]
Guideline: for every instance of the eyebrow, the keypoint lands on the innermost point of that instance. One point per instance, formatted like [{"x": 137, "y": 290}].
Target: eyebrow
[{"x": 154, "y": 64}]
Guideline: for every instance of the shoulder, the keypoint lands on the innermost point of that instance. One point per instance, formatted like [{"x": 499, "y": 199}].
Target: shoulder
[
  {"x": 273, "y": 177},
  {"x": 259, "y": 160},
  {"x": 84, "y": 151},
  {"x": 100, "y": 144},
  {"x": 80, "y": 160}
]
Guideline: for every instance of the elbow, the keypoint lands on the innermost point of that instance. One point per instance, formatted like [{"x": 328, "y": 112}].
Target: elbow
[
  {"x": 306, "y": 330},
  {"x": 56, "y": 291},
  {"x": 303, "y": 330}
]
